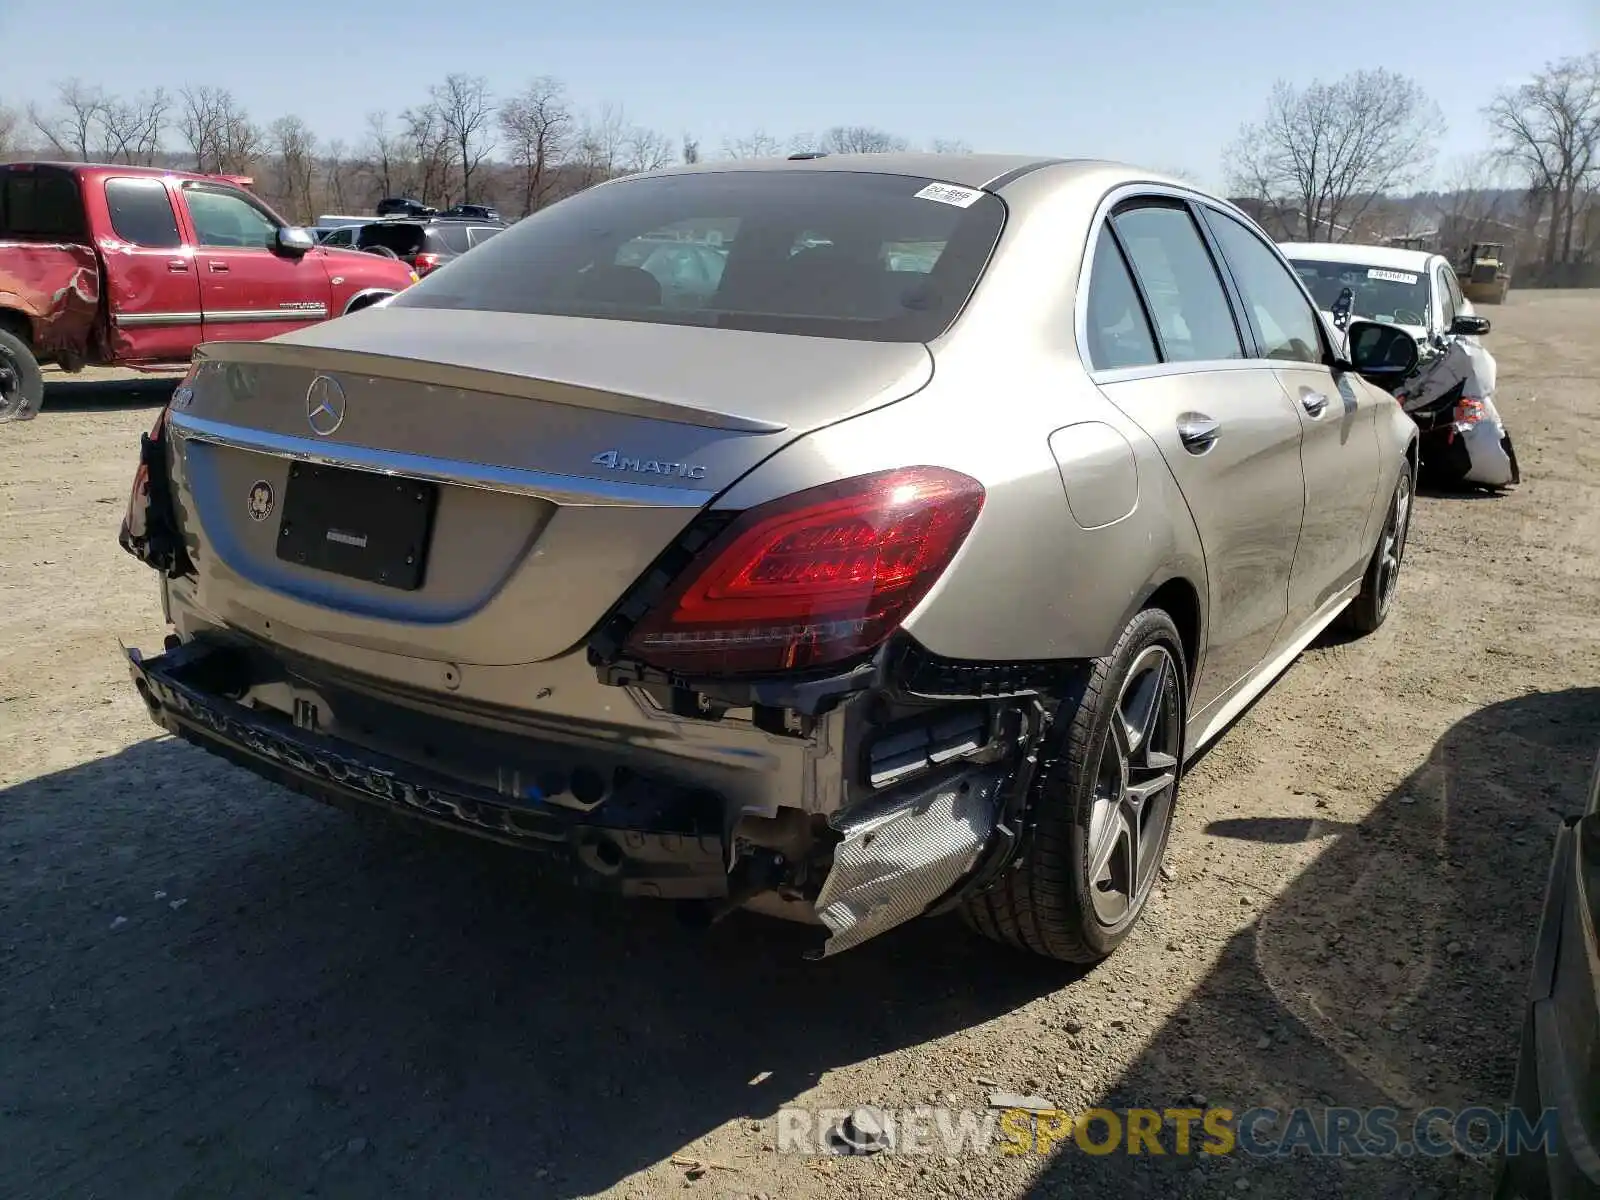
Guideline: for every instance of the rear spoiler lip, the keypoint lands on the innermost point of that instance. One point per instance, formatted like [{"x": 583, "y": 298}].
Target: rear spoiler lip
[{"x": 416, "y": 370}]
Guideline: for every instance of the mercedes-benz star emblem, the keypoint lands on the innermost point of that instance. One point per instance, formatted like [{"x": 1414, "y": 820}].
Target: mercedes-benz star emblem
[{"x": 324, "y": 405}]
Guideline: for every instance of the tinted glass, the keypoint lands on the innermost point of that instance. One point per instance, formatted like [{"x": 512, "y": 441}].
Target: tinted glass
[
  {"x": 40, "y": 204},
  {"x": 1447, "y": 304},
  {"x": 452, "y": 238},
  {"x": 1285, "y": 322},
  {"x": 1381, "y": 293},
  {"x": 141, "y": 212},
  {"x": 1118, "y": 331},
  {"x": 339, "y": 237},
  {"x": 404, "y": 238},
  {"x": 479, "y": 234},
  {"x": 227, "y": 219},
  {"x": 1454, "y": 285},
  {"x": 1186, "y": 298},
  {"x": 587, "y": 255}
]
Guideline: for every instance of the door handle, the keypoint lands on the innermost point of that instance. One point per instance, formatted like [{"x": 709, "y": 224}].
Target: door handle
[
  {"x": 1198, "y": 432},
  {"x": 177, "y": 264},
  {"x": 1314, "y": 403},
  {"x": 217, "y": 266}
]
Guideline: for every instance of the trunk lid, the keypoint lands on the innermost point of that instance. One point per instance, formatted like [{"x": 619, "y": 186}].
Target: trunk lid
[{"x": 566, "y": 454}]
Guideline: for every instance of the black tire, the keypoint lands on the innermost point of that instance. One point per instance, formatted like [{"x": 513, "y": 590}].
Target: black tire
[
  {"x": 21, "y": 383},
  {"x": 1379, "y": 585},
  {"x": 1049, "y": 902}
]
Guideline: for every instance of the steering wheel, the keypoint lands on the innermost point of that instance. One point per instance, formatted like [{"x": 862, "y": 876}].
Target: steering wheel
[
  {"x": 381, "y": 251},
  {"x": 1405, "y": 316}
]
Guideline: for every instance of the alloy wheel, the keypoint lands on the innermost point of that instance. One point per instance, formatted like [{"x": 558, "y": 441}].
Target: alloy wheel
[
  {"x": 1393, "y": 546},
  {"x": 1135, "y": 785}
]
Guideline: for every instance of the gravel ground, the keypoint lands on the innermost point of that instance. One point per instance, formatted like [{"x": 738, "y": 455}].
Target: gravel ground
[{"x": 210, "y": 987}]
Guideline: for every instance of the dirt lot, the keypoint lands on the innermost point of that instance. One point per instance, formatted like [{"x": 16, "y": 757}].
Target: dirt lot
[{"x": 209, "y": 987}]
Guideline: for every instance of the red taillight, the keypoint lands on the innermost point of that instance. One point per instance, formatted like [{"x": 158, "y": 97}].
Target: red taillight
[
  {"x": 814, "y": 578},
  {"x": 428, "y": 261}
]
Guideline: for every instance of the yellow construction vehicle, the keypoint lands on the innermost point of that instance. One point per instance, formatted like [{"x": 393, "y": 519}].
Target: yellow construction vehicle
[{"x": 1485, "y": 275}]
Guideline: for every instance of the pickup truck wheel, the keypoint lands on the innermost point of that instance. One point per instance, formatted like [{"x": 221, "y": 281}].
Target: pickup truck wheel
[
  {"x": 21, "y": 384},
  {"x": 1103, "y": 810}
]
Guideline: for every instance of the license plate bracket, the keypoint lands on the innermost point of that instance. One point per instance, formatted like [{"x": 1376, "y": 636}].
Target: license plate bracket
[{"x": 358, "y": 524}]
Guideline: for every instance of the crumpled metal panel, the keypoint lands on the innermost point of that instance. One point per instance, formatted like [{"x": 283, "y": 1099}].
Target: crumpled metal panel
[{"x": 901, "y": 854}]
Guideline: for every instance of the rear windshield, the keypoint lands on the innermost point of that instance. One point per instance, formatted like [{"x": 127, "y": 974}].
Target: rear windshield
[
  {"x": 827, "y": 253},
  {"x": 41, "y": 204},
  {"x": 451, "y": 237}
]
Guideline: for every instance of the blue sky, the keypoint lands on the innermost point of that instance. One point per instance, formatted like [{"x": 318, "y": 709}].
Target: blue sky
[{"x": 1151, "y": 81}]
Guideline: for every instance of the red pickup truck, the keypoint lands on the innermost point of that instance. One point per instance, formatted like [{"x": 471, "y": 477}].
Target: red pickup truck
[{"x": 136, "y": 266}]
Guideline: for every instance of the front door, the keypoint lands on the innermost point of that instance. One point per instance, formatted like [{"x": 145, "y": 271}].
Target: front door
[
  {"x": 1339, "y": 443},
  {"x": 1177, "y": 367},
  {"x": 249, "y": 290},
  {"x": 153, "y": 292}
]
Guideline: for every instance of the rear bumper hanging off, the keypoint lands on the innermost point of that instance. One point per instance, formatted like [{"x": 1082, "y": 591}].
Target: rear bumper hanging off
[{"x": 651, "y": 838}]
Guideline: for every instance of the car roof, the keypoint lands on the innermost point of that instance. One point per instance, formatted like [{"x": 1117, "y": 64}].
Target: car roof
[
  {"x": 967, "y": 170},
  {"x": 88, "y": 168},
  {"x": 1367, "y": 256}
]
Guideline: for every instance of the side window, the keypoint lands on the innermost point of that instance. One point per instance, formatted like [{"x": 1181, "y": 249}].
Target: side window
[
  {"x": 479, "y": 234},
  {"x": 1190, "y": 309},
  {"x": 340, "y": 237},
  {"x": 1115, "y": 325},
  {"x": 1454, "y": 285},
  {"x": 226, "y": 219},
  {"x": 1284, "y": 319},
  {"x": 1446, "y": 298},
  {"x": 141, "y": 213}
]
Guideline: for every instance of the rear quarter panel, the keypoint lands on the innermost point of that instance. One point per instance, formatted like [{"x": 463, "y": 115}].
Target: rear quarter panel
[
  {"x": 57, "y": 287},
  {"x": 1031, "y": 582},
  {"x": 353, "y": 274}
]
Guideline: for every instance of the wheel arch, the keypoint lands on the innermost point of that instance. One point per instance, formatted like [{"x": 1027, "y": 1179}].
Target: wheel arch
[
  {"x": 365, "y": 298},
  {"x": 17, "y": 322}
]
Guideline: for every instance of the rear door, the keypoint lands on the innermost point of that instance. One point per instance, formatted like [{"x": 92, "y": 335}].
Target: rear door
[
  {"x": 248, "y": 290},
  {"x": 1339, "y": 449},
  {"x": 1166, "y": 348},
  {"x": 151, "y": 284}
]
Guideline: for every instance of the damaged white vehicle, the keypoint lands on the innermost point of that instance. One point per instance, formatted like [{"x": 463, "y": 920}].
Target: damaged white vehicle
[{"x": 1451, "y": 394}]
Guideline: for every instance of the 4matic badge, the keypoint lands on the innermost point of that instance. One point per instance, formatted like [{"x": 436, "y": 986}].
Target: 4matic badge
[{"x": 617, "y": 461}]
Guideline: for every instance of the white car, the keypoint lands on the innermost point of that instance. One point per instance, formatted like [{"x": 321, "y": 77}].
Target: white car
[
  {"x": 1451, "y": 394},
  {"x": 1411, "y": 288}
]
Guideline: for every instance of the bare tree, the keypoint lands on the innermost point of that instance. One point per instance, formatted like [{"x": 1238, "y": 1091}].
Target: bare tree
[
  {"x": 1549, "y": 130},
  {"x": 9, "y": 122},
  {"x": 430, "y": 154},
  {"x": 600, "y": 145},
  {"x": 950, "y": 146},
  {"x": 466, "y": 117},
  {"x": 1473, "y": 199},
  {"x": 220, "y": 136},
  {"x": 537, "y": 126},
  {"x": 336, "y": 170},
  {"x": 294, "y": 149},
  {"x": 691, "y": 149},
  {"x": 132, "y": 130},
  {"x": 643, "y": 150},
  {"x": 851, "y": 139},
  {"x": 759, "y": 144},
  {"x": 1332, "y": 149},
  {"x": 76, "y": 125},
  {"x": 382, "y": 151}
]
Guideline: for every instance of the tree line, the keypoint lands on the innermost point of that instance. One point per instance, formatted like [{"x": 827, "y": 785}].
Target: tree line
[
  {"x": 1329, "y": 158},
  {"x": 1328, "y": 154},
  {"x": 463, "y": 143}
]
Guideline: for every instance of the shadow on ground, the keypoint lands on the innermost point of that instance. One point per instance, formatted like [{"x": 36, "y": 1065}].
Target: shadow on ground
[
  {"x": 213, "y": 988},
  {"x": 336, "y": 1004},
  {"x": 63, "y": 393},
  {"x": 1391, "y": 972}
]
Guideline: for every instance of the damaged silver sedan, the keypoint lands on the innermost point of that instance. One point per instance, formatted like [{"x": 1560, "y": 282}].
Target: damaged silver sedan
[{"x": 892, "y": 560}]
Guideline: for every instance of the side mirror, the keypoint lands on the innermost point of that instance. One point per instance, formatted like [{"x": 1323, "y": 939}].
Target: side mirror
[
  {"x": 1466, "y": 326},
  {"x": 1342, "y": 306},
  {"x": 1385, "y": 354},
  {"x": 294, "y": 241}
]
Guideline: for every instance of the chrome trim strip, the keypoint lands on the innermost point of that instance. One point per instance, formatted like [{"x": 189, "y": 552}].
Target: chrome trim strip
[
  {"x": 144, "y": 319},
  {"x": 570, "y": 490},
  {"x": 238, "y": 316}
]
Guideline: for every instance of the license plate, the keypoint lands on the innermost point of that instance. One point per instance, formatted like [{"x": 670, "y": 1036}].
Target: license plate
[{"x": 357, "y": 524}]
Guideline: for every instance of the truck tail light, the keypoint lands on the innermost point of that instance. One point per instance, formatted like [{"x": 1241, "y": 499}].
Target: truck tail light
[
  {"x": 813, "y": 578},
  {"x": 428, "y": 261}
]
